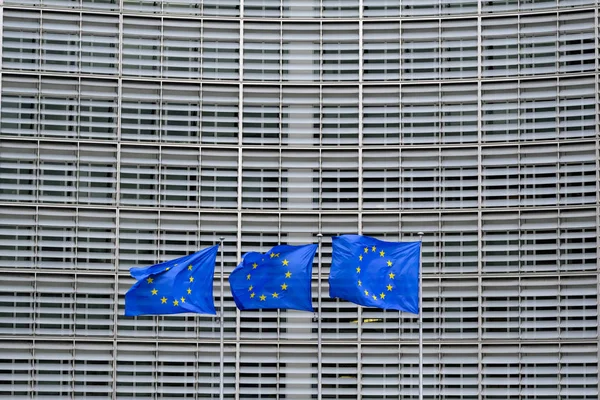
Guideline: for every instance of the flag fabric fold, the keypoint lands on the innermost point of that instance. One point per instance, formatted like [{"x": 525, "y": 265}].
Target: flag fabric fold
[
  {"x": 279, "y": 278},
  {"x": 176, "y": 286},
  {"x": 375, "y": 273}
]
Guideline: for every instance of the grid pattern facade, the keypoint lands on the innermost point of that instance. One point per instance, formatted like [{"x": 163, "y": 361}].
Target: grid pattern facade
[{"x": 136, "y": 131}]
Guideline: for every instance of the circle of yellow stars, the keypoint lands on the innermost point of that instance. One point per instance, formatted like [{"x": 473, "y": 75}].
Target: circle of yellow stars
[
  {"x": 164, "y": 300},
  {"x": 391, "y": 275},
  {"x": 284, "y": 286}
]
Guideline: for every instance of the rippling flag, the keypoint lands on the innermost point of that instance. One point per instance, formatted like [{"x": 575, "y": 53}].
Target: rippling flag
[
  {"x": 176, "y": 286},
  {"x": 279, "y": 278},
  {"x": 374, "y": 273}
]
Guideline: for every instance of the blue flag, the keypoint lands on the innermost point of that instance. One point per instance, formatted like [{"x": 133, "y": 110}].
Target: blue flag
[
  {"x": 373, "y": 273},
  {"x": 280, "y": 278},
  {"x": 173, "y": 287}
]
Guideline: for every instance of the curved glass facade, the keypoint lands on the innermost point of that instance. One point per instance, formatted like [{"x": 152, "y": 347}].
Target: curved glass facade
[{"x": 136, "y": 131}]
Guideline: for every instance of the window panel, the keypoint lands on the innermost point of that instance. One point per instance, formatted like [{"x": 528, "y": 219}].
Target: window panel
[
  {"x": 20, "y": 105},
  {"x": 21, "y": 40},
  {"x": 99, "y": 44},
  {"x": 219, "y": 177},
  {"x": 340, "y": 52},
  {"x": 97, "y": 174},
  {"x": 300, "y": 115},
  {"x": 261, "y": 179},
  {"x": 339, "y": 180},
  {"x": 140, "y": 111},
  {"x": 181, "y": 44},
  {"x": 52, "y": 369},
  {"x": 59, "y": 107},
  {"x": 142, "y": 44},
  {"x": 500, "y": 49},
  {"x": 18, "y": 171},
  {"x": 18, "y": 227},
  {"x": 300, "y": 183},
  {"x": 220, "y": 108},
  {"x": 220, "y": 44},
  {"x": 300, "y": 50},
  {"x": 420, "y": 172},
  {"x": 381, "y": 179},
  {"x": 576, "y": 108},
  {"x": 340, "y": 9},
  {"x": 458, "y": 47},
  {"x": 420, "y": 50},
  {"x": 339, "y": 123},
  {"x": 139, "y": 177},
  {"x": 17, "y": 297},
  {"x": 98, "y": 105},
  {"x": 537, "y": 44},
  {"x": 458, "y": 113},
  {"x": 262, "y": 115},
  {"x": 180, "y": 113},
  {"x": 96, "y": 239},
  {"x": 419, "y": 107},
  {"x": 381, "y": 115},
  {"x": 179, "y": 177}
]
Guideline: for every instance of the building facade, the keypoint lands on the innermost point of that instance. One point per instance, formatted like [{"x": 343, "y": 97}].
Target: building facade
[{"x": 136, "y": 131}]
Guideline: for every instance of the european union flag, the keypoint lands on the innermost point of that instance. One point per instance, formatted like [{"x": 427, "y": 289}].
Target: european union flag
[
  {"x": 373, "y": 273},
  {"x": 280, "y": 278},
  {"x": 176, "y": 286}
]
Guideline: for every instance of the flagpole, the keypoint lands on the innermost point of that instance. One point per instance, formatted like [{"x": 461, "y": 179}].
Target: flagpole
[
  {"x": 420, "y": 315},
  {"x": 319, "y": 347},
  {"x": 221, "y": 345}
]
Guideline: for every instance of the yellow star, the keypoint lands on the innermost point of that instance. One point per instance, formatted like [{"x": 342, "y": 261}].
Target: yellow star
[
  {"x": 254, "y": 265},
  {"x": 374, "y": 297},
  {"x": 373, "y": 248},
  {"x": 175, "y": 302},
  {"x": 389, "y": 288},
  {"x": 263, "y": 297},
  {"x": 285, "y": 262},
  {"x": 182, "y": 299},
  {"x": 189, "y": 291},
  {"x": 284, "y": 287},
  {"x": 392, "y": 275},
  {"x": 166, "y": 269},
  {"x": 190, "y": 267},
  {"x": 360, "y": 257},
  {"x": 359, "y": 283},
  {"x": 272, "y": 255},
  {"x": 149, "y": 280},
  {"x": 366, "y": 249},
  {"x": 276, "y": 254},
  {"x": 382, "y": 295},
  {"x": 154, "y": 291},
  {"x": 358, "y": 270},
  {"x": 163, "y": 300},
  {"x": 252, "y": 295},
  {"x": 250, "y": 288},
  {"x": 191, "y": 279},
  {"x": 366, "y": 292},
  {"x": 288, "y": 274},
  {"x": 389, "y": 263},
  {"x": 275, "y": 295},
  {"x": 382, "y": 253},
  {"x": 248, "y": 277}
]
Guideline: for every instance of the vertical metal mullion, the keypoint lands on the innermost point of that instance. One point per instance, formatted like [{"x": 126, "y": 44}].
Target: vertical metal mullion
[
  {"x": 239, "y": 191},
  {"x": 115, "y": 304},
  {"x": 74, "y": 310},
  {"x": 120, "y": 80}
]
